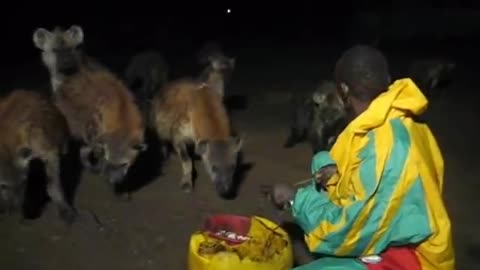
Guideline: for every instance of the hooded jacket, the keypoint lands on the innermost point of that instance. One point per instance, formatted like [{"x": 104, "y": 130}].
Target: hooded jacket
[{"x": 388, "y": 188}]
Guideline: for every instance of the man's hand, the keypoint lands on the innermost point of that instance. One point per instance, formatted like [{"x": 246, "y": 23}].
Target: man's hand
[
  {"x": 279, "y": 194},
  {"x": 324, "y": 174}
]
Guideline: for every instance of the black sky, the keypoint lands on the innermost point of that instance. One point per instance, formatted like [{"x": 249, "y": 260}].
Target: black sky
[{"x": 133, "y": 23}]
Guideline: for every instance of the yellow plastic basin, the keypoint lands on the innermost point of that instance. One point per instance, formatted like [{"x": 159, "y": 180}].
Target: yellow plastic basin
[{"x": 268, "y": 247}]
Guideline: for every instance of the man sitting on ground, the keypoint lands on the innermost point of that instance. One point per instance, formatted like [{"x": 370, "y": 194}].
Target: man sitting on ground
[{"x": 383, "y": 206}]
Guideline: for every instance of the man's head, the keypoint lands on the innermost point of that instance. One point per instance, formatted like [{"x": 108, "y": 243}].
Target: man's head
[{"x": 362, "y": 74}]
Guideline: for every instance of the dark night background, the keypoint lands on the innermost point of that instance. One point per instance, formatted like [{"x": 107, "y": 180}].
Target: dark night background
[{"x": 280, "y": 48}]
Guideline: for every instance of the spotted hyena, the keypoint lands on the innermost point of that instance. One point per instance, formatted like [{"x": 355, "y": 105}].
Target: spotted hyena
[
  {"x": 187, "y": 112},
  {"x": 145, "y": 74},
  {"x": 317, "y": 117},
  {"x": 32, "y": 128},
  {"x": 99, "y": 108},
  {"x": 218, "y": 72},
  {"x": 430, "y": 75}
]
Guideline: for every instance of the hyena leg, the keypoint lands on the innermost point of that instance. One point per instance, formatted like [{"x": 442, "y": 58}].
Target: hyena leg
[
  {"x": 55, "y": 191},
  {"x": 164, "y": 149},
  {"x": 186, "y": 182},
  {"x": 85, "y": 158}
]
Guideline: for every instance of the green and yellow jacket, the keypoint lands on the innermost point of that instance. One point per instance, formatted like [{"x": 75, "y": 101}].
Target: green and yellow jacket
[{"x": 388, "y": 189}]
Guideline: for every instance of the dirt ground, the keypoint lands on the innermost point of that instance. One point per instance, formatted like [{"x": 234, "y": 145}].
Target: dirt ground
[{"x": 152, "y": 230}]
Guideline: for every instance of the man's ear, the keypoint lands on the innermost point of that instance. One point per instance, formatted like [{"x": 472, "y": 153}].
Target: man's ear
[
  {"x": 342, "y": 94},
  {"x": 344, "y": 90}
]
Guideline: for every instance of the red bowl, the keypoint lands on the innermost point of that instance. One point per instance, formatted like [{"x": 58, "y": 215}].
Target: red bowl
[{"x": 230, "y": 223}]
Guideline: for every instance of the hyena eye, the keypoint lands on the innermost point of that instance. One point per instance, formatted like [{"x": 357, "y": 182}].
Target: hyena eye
[
  {"x": 4, "y": 186},
  {"x": 214, "y": 169}
]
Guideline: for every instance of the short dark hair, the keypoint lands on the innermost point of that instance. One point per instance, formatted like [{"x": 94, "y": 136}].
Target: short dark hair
[{"x": 365, "y": 70}]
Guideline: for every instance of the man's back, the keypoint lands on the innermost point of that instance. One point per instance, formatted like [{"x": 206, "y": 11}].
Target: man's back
[{"x": 437, "y": 251}]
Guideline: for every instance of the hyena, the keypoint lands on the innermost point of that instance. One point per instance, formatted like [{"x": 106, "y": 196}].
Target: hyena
[
  {"x": 431, "y": 74},
  {"x": 146, "y": 73},
  {"x": 99, "y": 108},
  {"x": 218, "y": 72},
  {"x": 187, "y": 112},
  {"x": 32, "y": 128},
  {"x": 209, "y": 48},
  {"x": 300, "y": 119},
  {"x": 318, "y": 118}
]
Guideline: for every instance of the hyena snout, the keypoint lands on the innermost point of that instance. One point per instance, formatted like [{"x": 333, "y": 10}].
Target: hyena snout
[
  {"x": 91, "y": 158},
  {"x": 67, "y": 60},
  {"x": 220, "y": 160},
  {"x": 116, "y": 172},
  {"x": 117, "y": 161},
  {"x": 223, "y": 180}
]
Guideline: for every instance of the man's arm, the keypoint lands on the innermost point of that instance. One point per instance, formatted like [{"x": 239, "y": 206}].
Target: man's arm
[{"x": 325, "y": 223}]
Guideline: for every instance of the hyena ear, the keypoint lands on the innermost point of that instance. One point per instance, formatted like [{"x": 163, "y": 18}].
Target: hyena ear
[
  {"x": 201, "y": 147},
  {"x": 318, "y": 98},
  {"x": 75, "y": 33},
  {"x": 40, "y": 37},
  {"x": 237, "y": 143},
  {"x": 140, "y": 147}
]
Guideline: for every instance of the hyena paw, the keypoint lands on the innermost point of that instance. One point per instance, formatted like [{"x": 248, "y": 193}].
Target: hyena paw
[
  {"x": 123, "y": 197},
  {"x": 68, "y": 214},
  {"x": 186, "y": 186},
  {"x": 164, "y": 152}
]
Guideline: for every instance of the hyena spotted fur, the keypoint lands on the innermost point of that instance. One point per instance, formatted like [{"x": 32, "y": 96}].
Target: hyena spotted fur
[
  {"x": 319, "y": 118},
  {"x": 431, "y": 74},
  {"x": 100, "y": 110},
  {"x": 32, "y": 128},
  {"x": 146, "y": 73},
  {"x": 186, "y": 112}
]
